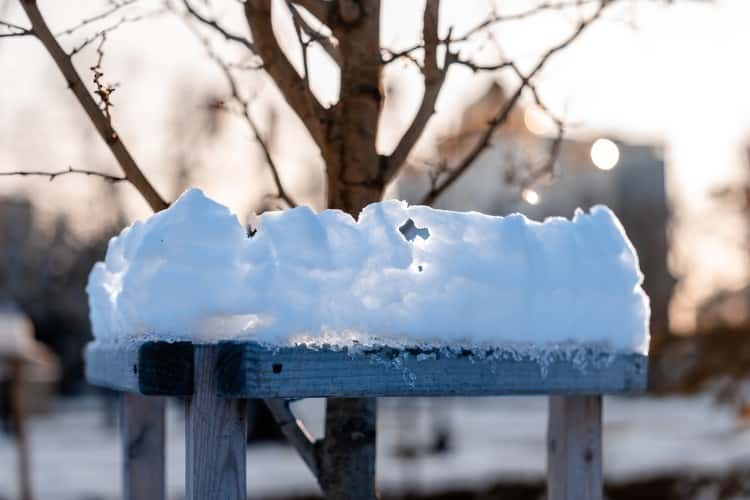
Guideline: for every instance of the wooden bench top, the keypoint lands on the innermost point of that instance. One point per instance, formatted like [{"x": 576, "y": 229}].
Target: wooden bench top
[{"x": 251, "y": 370}]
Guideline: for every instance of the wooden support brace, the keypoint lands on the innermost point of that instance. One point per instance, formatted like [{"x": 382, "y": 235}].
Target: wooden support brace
[
  {"x": 143, "y": 431},
  {"x": 215, "y": 436},
  {"x": 574, "y": 448}
]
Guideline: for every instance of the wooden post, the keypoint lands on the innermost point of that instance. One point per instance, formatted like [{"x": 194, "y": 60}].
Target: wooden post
[
  {"x": 143, "y": 430},
  {"x": 18, "y": 416},
  {"x": 215, "y": 436},
  {"x": 574, "y": 448}
]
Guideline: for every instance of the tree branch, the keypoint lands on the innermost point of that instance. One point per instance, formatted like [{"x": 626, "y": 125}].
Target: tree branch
[
  {"x": 116, "y": 6},
  {"x": 212, "y": 23},
  {"x": 103, "y": 32},
  {"x": 548, "y": 167},
  {"x": 132, "y": 172},
  {"x": 245, "y": 110},
  {"x": 505, "y": 111},
  {"x": 496, "y": 18},
  {"x": 303, "y": 45},
  {"x": 244, "y": 105},
  {"x": 326, "y": 42},
  {"x": 434, "y": 77},
  {"x": 475, "y": 67},
  {"x": 486, "y": 23},
  {"x": 14, "y": 30},
  {"x": 292, "y": 86},
  {"x": 70, "y": 170},
  {"x": 321, "y": 9}
]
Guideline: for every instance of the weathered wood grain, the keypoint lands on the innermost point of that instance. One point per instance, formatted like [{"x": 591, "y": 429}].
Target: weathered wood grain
[
  {"x": 215, "y": 436},
  {"x": 254, "y": 371},
  {"x": 114, "y": 367},
  {"x": 250, "y": 370},
  {"x": 574, "y": 448},
  {"x": 347, "y": 454},
  {"x": 143, "y": 439},
  {"x": 151, "y": 368}
]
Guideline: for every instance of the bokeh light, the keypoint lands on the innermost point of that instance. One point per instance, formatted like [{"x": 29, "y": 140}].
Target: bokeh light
[
  {"x": 605, "y": 154},
  {"x": 530, "y": 196}
]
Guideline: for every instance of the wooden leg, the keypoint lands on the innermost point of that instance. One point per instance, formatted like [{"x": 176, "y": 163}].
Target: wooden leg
[
  {"x": 18, "y": 409},
  {"x": 142, "y": 427},
  {"x": 215, "y": 436},
  {"x": 574, "y": 448},
  {"x": 347, "y": 456}
]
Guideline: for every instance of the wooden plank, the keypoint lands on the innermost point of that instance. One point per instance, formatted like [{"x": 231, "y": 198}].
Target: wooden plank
[
  {"x": 574, "y": 448},
  {"x": 143, "y": 439},
  {"x": 250, "y": 370},
  {"x": 215, "y": 436},
  {"x": 253, "y": 371},
  {"x": 114, "y": 367},
  {"x": 150, "y": 368},
  {"x": 19, "y": 419}
]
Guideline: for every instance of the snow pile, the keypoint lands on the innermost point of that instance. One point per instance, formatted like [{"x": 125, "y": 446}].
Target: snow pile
[{"x": 399, "y": 275}]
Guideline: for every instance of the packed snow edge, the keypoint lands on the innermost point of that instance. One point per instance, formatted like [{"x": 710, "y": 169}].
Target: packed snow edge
[{"x": 447, "y": 278}]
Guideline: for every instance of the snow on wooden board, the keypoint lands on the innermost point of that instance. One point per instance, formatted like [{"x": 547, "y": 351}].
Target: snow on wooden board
[
  {"x": 252, "y": 370},
  {"x": 399, "y": 276}
]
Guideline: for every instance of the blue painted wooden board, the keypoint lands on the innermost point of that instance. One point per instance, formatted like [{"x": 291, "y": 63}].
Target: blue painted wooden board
[
  {"x": 250, "y": 370},
  {"x": 254, "y": 371},
  {"x": 150, "y": 368}
]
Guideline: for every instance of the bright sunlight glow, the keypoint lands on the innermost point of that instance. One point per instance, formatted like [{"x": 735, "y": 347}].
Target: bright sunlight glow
[
  {"x": 530, "y": 196},
  {"x": 536, "y": 121},
  {"x": 605, "y": 154}
]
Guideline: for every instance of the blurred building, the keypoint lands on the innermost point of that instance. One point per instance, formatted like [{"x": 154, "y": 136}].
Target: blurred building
[
  {"x": 629, "y": 178},
  {"x": 633, "y": 186}
]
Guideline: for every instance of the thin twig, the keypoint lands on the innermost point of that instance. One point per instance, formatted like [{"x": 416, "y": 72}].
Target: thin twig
[
  {"x": 130, "y": 168},
  {"x": 125, "y": 20},
  {"x": 292, "y": 87},
  {"x": 434, "y": 77},
  {"x": 213, "y": 24},
  {"x": 325, "y": 41},
  {"x": 14, "y": 30},
  {"x": 103, "y": 90},
  {"x": 505, "y": 111},
  {"x": 244, "y": 106},
  {"x": 496, "y": 18},
  {"x": 476, "y": 67},
  {"x": 321, "y": 9},
  {"x": 70, "y": 170},
  {"x": 303, "y": 45},
  {"x": 116, "y": 6},
  {"x": 392, "y": 55}
]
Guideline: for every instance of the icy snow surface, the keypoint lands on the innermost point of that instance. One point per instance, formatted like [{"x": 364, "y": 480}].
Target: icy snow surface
[{"x": 446, "y": 278}]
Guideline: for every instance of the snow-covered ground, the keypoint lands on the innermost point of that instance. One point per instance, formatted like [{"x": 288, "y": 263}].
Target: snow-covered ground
[{"x": 75, "y": 457}]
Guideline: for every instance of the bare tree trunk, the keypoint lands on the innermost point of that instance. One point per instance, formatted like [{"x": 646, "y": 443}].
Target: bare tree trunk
[
  {"x": 355, "y": 179},
  {"x": 347, "y": 454},
  {"x": 353, "y": 165}
]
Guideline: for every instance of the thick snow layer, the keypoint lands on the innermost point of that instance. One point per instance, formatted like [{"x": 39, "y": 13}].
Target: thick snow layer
[{"x": 190, "y": 272}]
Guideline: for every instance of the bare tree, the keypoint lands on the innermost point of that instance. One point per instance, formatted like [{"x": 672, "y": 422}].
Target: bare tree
[{"x": 345, "y": 134}]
